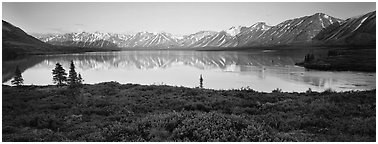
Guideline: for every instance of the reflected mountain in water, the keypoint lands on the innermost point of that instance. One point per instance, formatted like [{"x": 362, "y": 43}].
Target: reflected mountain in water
[
  {"x": 165, "y": 59},
  {"x": 255, "y": 63}
]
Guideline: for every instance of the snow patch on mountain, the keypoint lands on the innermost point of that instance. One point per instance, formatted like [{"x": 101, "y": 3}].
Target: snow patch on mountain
[
  {"x": 298, "y": 30},
  {"x": 326, "y": 16},
  {"x": 233, "y": 31}
]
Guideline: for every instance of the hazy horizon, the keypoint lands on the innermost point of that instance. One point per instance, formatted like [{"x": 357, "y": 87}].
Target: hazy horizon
[{"x": 175, "y": 18}]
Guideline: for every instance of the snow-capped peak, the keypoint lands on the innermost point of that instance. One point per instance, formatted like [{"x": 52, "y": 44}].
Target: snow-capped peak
[
  {"x": 260, "y": 25},
  {"x": 233, "y": 31}
]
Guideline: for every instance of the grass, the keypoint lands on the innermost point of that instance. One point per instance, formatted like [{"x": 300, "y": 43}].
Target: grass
[{"x": 130, "y": 112}]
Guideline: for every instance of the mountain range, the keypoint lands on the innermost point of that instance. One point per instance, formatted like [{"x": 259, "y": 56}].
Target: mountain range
[
  {"x": 16, "y": 43},
  {"x": 314, "y": 30}
]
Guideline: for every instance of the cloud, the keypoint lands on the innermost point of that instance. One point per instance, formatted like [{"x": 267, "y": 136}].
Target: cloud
[
  {"x": 79, "y": 24},
  {"x": 63, "y": 30},
  {"x": 68, "y": 29},
  {"x": 59, "y": 30}
]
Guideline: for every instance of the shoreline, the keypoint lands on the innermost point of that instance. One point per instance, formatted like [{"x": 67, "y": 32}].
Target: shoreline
[{"x": 176, "y": 86}]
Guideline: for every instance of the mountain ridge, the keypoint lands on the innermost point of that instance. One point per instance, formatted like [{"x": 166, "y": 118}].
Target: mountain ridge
[
  {"x": 354, "y": 31},
  {"x": 297, "y": 31}
]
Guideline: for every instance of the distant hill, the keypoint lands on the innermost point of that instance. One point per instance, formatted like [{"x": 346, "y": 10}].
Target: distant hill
[
  {"x": 13, "y": 35},
  {"x": 16, "y": 41},
  {"x": 360, "y": 30}
]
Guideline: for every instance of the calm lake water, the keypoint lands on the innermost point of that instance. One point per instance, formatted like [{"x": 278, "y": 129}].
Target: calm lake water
[{"x": 259, "y": 70}]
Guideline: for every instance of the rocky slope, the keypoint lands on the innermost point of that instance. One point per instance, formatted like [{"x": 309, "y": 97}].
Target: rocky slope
[
  {"x": 294, "y": 31},
  {"x": 358, "y": 30},
  {"x": 252, "y": 33}
]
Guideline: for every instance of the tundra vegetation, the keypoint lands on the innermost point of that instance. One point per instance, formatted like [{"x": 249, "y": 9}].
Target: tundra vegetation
[{"x": 131, "y": 112}]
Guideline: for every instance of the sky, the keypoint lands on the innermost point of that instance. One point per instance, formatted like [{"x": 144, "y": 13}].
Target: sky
[{"x": 178, "y": 18}]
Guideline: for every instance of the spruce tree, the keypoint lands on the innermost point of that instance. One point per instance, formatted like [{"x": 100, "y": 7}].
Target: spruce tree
[
  {"x": 201, "y": 81},
  {"x": 17, "y": 79},
  {"x": 72, "y": 77},
  {"x": 80, "y": 79},
  {"x": 59, "y": 75}
]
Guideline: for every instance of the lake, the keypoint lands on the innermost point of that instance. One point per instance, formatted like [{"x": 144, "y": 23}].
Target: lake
[{"x": 261, "y": 70}]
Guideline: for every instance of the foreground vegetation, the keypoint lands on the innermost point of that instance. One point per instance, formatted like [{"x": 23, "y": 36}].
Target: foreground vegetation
[
  {"x": 342, "y": 60},
  {"x": 130, "y": 112}
]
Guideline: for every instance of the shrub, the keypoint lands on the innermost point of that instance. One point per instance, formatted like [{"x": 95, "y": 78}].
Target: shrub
[
  {"x": 277, "y": 90},
  {"x": 214, "y": 126},
  {"x": 200, "y": 126},
  {"x": 35, "y": 135},
  {"x": 328, "y": 91},
  {"x": 197, "y": 106},
  {"x": 309, "y": 91},
  {"x": 41, "y": 121}
]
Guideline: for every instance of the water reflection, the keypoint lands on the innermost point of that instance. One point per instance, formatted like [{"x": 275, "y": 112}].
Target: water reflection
[
  {"x": 222, "y": 70},
  {"x": 165, "y": 59},
  {"x": 9, "y": 67}
]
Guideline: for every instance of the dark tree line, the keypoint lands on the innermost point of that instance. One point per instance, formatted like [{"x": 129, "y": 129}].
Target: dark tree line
[
  {"x": 309, "y": 58},
  {"x": 333, "y": 53}
]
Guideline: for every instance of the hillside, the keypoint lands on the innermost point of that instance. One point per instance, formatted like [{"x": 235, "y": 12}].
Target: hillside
[{"x": 16, "y": 41}]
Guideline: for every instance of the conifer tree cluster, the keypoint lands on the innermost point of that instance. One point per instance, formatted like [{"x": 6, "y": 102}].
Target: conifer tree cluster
[{"x": 60, "y": 76}]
